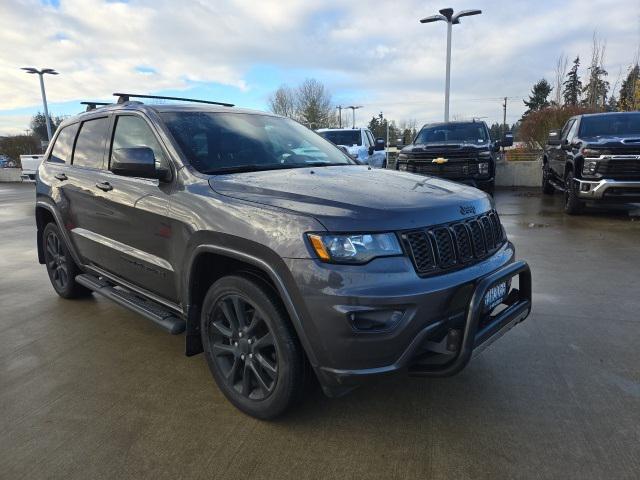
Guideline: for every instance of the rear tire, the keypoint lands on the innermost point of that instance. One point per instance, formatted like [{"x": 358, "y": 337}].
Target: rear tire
[
  {"x": 547, "y": 188},
  {"x": 572, "y": 205},
  {"x": 61, "y": 268},
  {"x": 251, "y": 347}
]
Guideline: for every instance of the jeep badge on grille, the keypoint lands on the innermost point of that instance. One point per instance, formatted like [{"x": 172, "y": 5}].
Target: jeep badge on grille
[{"x": 467, "y": 210}]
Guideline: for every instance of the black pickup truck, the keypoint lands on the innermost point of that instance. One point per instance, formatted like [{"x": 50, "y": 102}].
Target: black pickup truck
[
  {"x": 594, "y": 158},
  {"x": 459, "y": 151}
]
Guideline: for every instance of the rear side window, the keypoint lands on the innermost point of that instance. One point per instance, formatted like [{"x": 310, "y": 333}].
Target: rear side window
[
  {"x": 90, "y": 143},
  {"x": 61, "y": 152},
  {"x": 133, "y": 131}
]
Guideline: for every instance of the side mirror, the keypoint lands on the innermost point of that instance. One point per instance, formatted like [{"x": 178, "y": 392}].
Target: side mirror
[
  {"x": 565, "y": 145},
  {"x": 371, "y": 149},
  {"x": 135, "y": 162},
  {"x": 554, "y": 138},
  {"x": 379, "y": 144}
]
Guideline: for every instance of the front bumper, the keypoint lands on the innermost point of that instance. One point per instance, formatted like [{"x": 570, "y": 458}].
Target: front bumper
[
  {"x": 605, "y": 189},
  {"x": 432, "y": 308}
]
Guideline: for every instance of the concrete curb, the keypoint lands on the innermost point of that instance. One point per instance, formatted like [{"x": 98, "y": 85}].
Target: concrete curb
[
  {"x": 519, "y": 174},
  {"x": 10, "y": 174}
]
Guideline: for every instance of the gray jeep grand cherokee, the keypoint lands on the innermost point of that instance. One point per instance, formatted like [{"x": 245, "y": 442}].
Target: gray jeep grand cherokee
[{"x": 273, "y": 251}]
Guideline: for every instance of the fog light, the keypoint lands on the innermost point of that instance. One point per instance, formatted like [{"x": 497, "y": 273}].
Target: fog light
[
  {"x": 375, "y": 320},
  {"x": 402, "y": 166},
  {"x": 483, "y": 168}
]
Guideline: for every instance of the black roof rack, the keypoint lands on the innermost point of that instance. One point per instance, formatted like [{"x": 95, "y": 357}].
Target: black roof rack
[
  {"x": 94, "y": 105},
  {"x": 124, "y": 97}
]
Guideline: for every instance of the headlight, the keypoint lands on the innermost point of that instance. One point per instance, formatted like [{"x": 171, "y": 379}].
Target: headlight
[
  {"x": 356, "y": 248},
  {"x": 483, "y": 168},
  {"x": 589, "y": 167},
  {"x": 402, "y": 157},
  {"x": 485, "y": 154},
  {"x": 591, "y": 153}
]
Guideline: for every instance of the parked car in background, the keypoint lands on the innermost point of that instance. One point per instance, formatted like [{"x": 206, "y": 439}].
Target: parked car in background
[
  {"x": 459, "y": 151},
  {"x": 359, "y": 143},
  {"x": 594, "y": 158},
  {"x": 278, "y": 265},
  {"x": 6, "y": 162},
  {"x": 30, "y": 164}
]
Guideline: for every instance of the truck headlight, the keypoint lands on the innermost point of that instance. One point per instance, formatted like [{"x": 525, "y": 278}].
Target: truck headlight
[
  {"x": 354, "y": 248},
  {"x": 483, "y": 168},
  {"x": 589, "y": 167},
  {"x": 484, "y": 155}
]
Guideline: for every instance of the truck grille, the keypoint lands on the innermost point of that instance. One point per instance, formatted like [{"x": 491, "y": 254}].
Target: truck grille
[
  {"x": 451, "y": 169},
  {"x": 444, "y": 248},
  {"x": 619, "y": 168}
]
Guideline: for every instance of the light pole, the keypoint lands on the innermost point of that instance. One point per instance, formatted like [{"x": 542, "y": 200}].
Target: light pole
[
  {"x": 447, "y": 15},
  {"x": 353, "y": 109},
  {"x": 41, "y": 73}
]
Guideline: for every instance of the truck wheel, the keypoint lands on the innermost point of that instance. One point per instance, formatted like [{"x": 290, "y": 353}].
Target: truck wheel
[
  {"x": 61, "y": 268},
  {"x": 547, "y": 188},
  {"x": 251, "y": 348},
  {"x": 572, "y": 205}
]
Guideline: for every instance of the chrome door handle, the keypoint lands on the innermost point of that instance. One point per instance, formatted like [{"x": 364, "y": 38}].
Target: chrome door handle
[{"x": 104, "y": 186}]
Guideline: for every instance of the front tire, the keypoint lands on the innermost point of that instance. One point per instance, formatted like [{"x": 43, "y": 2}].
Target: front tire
[
  {"x": 572, "y": 205},
  {"x": 547, "y": 188},
  {"x": 61, "y": 268},
  {"x": 251, "y": 348}
]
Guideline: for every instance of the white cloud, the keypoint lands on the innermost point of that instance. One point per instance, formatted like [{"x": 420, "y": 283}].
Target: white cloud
[{"x": 379, "y": 53}]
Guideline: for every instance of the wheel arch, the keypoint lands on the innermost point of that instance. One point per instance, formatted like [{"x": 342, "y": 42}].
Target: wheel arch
[
  {"x": 209, "y": 263},
  {"x": 45, "y": 213}
]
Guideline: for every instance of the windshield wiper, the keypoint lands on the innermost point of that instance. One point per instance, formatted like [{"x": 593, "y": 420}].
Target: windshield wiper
[
  {"x": 274, "y": 166},
  {"x": 253, "y": 167}
]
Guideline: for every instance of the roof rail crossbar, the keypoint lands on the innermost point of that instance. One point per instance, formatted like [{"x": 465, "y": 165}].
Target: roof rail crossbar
[
  {"x": 94, "y": 105},
  {"x": 124, "y": 97}
]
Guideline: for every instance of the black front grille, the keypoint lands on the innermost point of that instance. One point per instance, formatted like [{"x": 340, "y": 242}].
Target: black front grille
[
  {"x": 619, "y": 169},
  {"x": 446, "y": 247},
  {"x": 451, "y": 169}
]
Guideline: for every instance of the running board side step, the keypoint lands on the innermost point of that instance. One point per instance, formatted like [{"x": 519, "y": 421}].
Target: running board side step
[{"x": 155, "y": 312}]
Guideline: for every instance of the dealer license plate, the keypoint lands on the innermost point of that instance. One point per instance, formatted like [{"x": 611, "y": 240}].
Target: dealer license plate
[{"x": 495, "y": 295}]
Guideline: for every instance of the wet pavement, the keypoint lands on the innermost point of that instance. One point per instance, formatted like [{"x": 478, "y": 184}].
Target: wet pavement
[{"x": 91, "y": 390}]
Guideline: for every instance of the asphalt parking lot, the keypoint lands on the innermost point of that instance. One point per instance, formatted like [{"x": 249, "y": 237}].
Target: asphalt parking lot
[{"x": 90, "y": 390}]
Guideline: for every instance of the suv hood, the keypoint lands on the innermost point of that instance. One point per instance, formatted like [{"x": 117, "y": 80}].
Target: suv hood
[{"x": 356, "y": 198}]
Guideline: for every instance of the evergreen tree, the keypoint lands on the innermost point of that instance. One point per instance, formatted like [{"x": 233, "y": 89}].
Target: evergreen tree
[
  {"x": 572, "y": 85},
  {"x": 539, "y": 97},
  {"x": 627, "y": 95},
  {"x": 597, "y": 89}
]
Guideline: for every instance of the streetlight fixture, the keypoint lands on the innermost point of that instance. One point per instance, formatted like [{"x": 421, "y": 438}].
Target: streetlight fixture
[
  {"x": 447, "y": 15},
  {"x": 40, "y": 73},
  {"x": 353, "y": 109}
]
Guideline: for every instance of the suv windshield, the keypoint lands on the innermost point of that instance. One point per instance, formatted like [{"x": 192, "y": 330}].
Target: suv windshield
[
  {"x": 346, "y": 138},
  {"x": 620, "y": 124},
  {"x": 234, "y": 142},
  {"x": 473, "y": 132}
]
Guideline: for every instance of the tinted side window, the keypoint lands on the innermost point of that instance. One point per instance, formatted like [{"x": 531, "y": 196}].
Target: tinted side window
[
  {"x": 61, "y": 152},
  {"x": 133, "y": 131},
  {"x": 565, "y": 130},
  {"x": 89, "y": 149}
]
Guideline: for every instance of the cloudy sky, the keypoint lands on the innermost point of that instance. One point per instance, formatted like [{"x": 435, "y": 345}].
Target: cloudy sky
[{"x": 374, "y": 54}]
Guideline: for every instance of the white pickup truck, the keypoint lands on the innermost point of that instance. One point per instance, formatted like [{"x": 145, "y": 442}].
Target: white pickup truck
[
  {"x": 359, "y": 143},
  {"x": 30, "y": 164}
]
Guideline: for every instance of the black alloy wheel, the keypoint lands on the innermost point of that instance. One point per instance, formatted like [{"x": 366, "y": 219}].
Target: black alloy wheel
[
  {"x": 243, "y": 347},
  {"x": 61, "y": 268},
  {"x": 251, "y": 347},
  {"x": 56, "y": 259}
]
